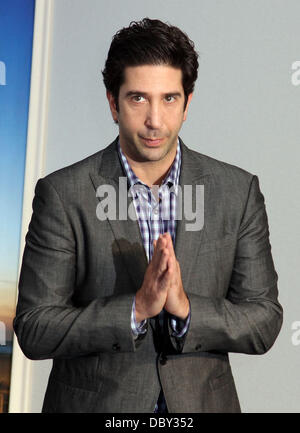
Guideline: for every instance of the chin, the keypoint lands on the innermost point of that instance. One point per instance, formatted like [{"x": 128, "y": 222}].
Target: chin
[{"x": 154, "y": 154}]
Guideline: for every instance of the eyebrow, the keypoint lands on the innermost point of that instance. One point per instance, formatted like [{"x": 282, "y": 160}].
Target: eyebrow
[{"x": 144, "y": 94}]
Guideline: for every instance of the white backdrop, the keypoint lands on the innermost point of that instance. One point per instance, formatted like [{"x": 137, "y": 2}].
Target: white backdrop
[{"x": 245, "y": 111}]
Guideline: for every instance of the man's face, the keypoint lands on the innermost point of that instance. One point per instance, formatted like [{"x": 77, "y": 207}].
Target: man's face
[{"x": 151, "y": 113}]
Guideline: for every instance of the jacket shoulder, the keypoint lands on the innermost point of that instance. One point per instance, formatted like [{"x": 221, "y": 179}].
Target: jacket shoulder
[
  {"x": 76, "y": 170},
  {"x": 229, "y": 175},
  {"x": 76, "y": 176},
  {"x": 220, "y": 168}
]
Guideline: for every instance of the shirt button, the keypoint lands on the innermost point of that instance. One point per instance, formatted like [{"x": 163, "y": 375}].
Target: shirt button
[{"x": 116, "y": 347}]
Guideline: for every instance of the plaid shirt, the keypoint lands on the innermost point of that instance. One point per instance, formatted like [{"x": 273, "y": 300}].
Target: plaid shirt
[{"x": 156, "y": 211}]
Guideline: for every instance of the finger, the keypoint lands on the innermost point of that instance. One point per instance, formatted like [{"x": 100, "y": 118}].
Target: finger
[
  {"x": 163, "y": 264},
  {"x": 169, "y": 241},
  {"x": 160, "y": 244},
  {"x": 171, "y": 265},
  {"x": 166, "y": 278},
  {"x": 168, "y": 265}
]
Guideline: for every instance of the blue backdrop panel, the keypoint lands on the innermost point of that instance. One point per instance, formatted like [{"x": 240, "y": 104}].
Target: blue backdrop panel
[{"x": 16, "y": 36}]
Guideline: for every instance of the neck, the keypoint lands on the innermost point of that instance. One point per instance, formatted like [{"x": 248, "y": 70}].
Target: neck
[{"x": 152, "y": 172}]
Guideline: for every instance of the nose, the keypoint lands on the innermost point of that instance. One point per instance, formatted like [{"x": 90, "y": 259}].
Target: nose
[{"x": 154, "y": 116}]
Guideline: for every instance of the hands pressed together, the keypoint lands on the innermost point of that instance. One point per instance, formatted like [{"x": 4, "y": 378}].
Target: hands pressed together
[{"x": 162, "y": 286}]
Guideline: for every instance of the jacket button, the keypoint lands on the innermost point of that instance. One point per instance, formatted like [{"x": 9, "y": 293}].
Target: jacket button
[
  {"x": 163, "y": 360},
  {"x": 198, "y": 347},
  {"x": 116, "y": 347}
]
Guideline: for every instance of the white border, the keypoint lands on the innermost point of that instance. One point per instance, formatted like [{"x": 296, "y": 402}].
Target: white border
[{"x": 21, "y": 374}]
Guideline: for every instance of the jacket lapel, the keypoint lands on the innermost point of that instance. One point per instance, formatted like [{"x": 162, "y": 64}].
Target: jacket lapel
[
  {"x": 126, "y": 231},
  {"x": 187, "y": 244}
]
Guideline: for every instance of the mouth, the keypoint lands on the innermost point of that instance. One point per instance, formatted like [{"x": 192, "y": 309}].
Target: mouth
[{"x": 152, "y": 142}]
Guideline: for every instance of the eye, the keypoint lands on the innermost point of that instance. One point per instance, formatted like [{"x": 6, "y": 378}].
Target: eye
[
  {"x": 138, "y": 98},
  {"x": 170, "y": 98}
]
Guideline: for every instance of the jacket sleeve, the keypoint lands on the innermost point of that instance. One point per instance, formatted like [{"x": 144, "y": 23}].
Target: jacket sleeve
[
  {"x": 47, "y": 323},
  {"x": 249, "y": 318}
]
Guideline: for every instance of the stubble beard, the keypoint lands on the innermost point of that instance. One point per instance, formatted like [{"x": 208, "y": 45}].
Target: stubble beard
[{"x": 137, "y": 151}]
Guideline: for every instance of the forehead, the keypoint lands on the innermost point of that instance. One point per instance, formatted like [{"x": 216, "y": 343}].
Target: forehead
[{"x": 152, "y": 78}]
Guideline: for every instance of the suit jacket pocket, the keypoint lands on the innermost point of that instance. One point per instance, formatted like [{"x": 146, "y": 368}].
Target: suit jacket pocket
[
  {"x": 63, "y": 398},
  {"x": 82, "y": 372}
]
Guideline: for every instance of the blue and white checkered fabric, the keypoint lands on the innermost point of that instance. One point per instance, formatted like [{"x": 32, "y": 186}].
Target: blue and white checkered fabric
[{"x": 155, "y": 209}]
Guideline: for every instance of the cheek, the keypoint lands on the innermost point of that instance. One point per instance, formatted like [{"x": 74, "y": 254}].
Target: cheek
[
  {"x": 174, "y": 120},
  {"x": 132, "y": 119},
  {"x": 128, "y": 126}
]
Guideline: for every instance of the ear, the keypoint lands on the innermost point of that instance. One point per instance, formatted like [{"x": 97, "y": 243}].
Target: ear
[
  {"x": 187, "y": 106},
  {"x": 112, "y": 106}
]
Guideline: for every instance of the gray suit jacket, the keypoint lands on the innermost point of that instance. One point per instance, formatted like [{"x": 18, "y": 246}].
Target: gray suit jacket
[{"x": 79, "y": 277}]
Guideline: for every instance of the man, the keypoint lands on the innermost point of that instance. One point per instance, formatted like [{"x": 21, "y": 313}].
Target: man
[{"x": 139, "y": 314}]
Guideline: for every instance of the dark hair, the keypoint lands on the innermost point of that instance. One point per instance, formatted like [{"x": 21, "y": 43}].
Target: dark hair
[{"x": 150, "y": 42}]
